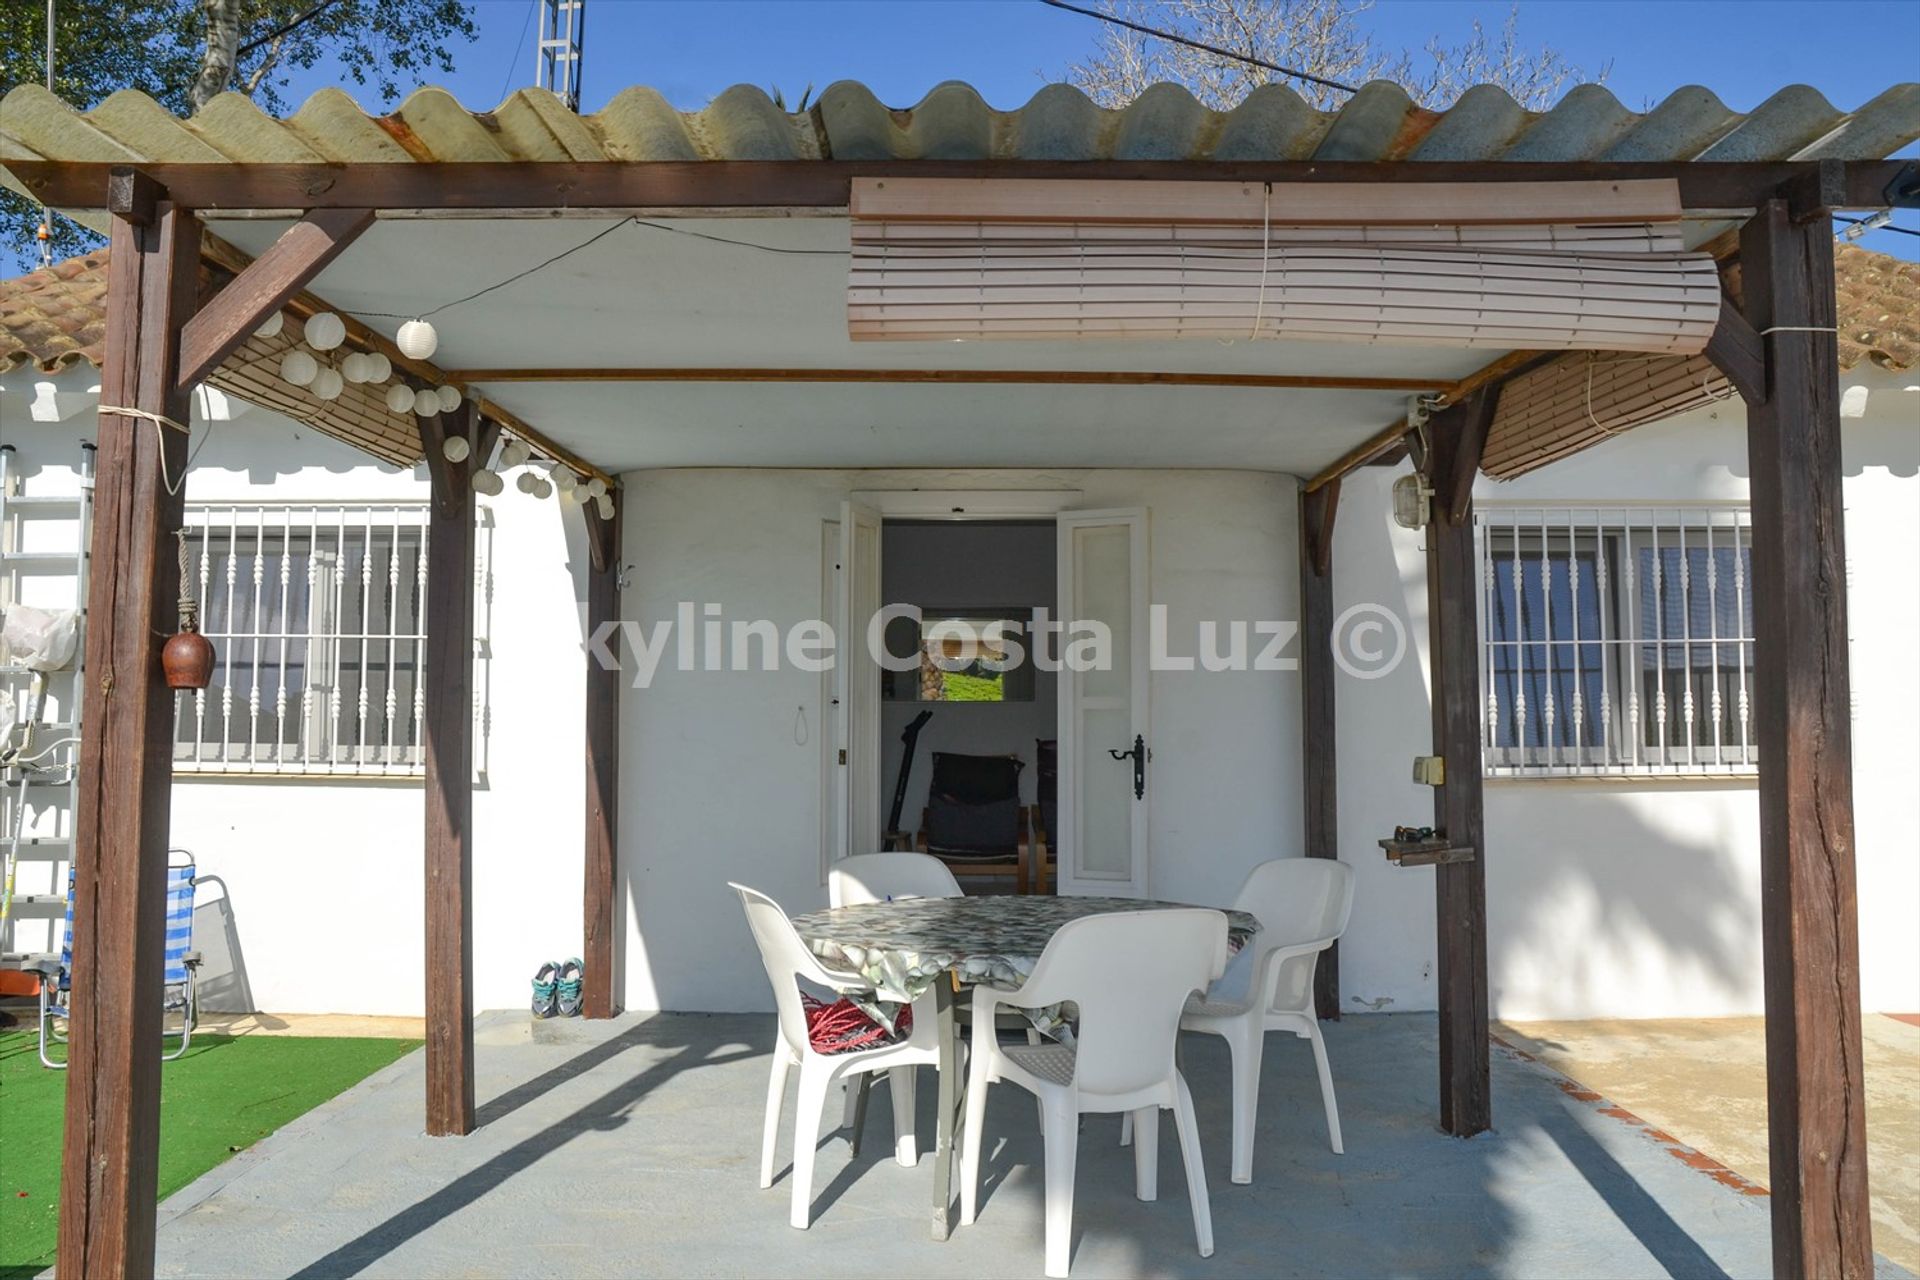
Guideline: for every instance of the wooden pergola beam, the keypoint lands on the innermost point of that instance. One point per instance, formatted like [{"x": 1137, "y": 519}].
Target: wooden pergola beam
[
  {"x": 600, "y": 899},
  {"x": 1321, "y": 807},
  {"x": 448, "y": 693},
  {"x": 111, "y": 1151},
  {"x": 1816, "y": 1093},
  {"x": 595, "y": 187},
  {"x": 987, "y": 377},
  {"x": 263, "y": 287}
]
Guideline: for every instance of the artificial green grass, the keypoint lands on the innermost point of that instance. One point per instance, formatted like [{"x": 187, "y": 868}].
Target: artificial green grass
[{"x": 226, "y": 1094}]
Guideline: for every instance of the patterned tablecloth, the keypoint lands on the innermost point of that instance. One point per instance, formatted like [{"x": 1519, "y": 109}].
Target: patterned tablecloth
[{"x": 903, "y": 945}]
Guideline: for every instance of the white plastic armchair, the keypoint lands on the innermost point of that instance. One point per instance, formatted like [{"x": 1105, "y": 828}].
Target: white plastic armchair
[
  {"x": 787, "y": 962},
  {"x": 880, "y": 877},
  {"x": 1129, "y": 974},
  {"x": 1302, "y": 905}
]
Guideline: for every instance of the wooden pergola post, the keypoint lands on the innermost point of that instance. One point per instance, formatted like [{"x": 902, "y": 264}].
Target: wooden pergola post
[
  {"x": 1460, "y": 888},
  {"x": 111, "y": 1154},
  {"x": 1321, "y": 806},
  {"x": 1816, "y": 1095},
  {"x": 603, "y": 768},
  {"x": 448, "y": 677}
]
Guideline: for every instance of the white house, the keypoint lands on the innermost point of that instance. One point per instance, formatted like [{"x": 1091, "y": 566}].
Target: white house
[{"x": 1624, "y": 884}]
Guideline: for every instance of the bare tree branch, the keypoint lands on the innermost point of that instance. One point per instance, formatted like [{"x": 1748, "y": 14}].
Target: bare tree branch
[{"x": 1318, "y": 37}]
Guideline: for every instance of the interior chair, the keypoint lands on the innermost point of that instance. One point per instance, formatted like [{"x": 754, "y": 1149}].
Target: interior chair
[
  {"x": 1302, "y": 905},
  {"x": 974, "y": 822},
  {"x": 180, "y": 967},
  {"x": 788, "y": 963},
  {"x": 1129, "y": 974}
]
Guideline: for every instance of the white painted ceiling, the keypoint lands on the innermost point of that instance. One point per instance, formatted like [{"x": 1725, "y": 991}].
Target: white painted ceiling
[{"x": 643, "y": 296}]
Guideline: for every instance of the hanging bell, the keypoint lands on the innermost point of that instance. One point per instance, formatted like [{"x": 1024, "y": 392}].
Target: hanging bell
[{"x": 187, "y": 658}]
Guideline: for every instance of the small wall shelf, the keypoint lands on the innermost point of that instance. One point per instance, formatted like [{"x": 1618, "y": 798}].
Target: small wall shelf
[{"x": 1425, "y": 853}]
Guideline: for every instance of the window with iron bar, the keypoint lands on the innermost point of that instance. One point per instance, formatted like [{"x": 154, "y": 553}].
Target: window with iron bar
[
  {"x": 1617, "y": 640},
  {"x": 316, "y": 616}
]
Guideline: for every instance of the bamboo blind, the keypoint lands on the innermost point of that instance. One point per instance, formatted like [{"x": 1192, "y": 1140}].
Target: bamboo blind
[
  {"x": 1577, "y": 400},
  {"x": 1539, "y": 287}
]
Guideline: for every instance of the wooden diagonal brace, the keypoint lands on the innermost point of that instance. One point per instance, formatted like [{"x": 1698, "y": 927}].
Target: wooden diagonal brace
[
  {"x": 1737, "y": 350},
  {"x": 300, "y": 254}
]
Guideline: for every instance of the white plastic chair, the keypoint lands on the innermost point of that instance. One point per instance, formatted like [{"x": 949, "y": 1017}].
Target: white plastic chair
[
  {"x": 878, "y": 877},
  {"x": 787, "y": 961},
  {"x": 1302, "y": 905},
  {"x": 1130, "y": 974}
]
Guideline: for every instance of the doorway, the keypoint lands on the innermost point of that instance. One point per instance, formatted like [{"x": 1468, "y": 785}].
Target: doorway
[{"x": 964, "y": 696}]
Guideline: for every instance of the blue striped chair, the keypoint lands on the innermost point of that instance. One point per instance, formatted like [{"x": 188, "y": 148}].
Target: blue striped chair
[{"x": 180, "y": 967}]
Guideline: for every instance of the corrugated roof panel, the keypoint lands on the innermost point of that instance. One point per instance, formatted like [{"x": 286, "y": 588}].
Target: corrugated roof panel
[{"x": 1380, "y": 122}]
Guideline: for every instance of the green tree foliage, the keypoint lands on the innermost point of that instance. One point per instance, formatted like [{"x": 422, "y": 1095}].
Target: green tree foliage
[{"x": 157, "y": 46}]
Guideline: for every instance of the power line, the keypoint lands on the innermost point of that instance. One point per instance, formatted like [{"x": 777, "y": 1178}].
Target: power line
[
  {"x": 285, "y": 29},
  {"x": 1217, "y": 52}
]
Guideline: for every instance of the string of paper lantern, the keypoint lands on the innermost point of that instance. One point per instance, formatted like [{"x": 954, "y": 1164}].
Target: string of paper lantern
[{"x": 417, "y": 340}]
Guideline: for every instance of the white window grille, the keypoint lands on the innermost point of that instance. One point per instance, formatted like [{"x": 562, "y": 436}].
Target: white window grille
[
  {"x": 1617, "y": 640},
  {"x": 315, "y": 612}
]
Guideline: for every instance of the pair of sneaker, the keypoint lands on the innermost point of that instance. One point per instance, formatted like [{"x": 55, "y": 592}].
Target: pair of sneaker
[{"x": 556, "y": 989}]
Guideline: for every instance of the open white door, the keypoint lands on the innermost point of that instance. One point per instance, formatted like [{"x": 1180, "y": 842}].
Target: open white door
[
  {"x": 857, "y": 681},
  {"x": 1105, "y": 766}
]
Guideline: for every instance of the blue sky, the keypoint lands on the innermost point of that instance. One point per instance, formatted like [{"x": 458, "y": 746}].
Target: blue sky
[{"x": 1008, "y": 49}]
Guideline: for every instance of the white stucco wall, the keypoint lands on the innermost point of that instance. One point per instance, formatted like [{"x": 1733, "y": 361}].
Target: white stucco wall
[
  {"x": 324, "y": 875},
  {"x": 721, "y": 772},
  {"x": 1614, "y": 899},
  {"x": 1622, "y": 899}
]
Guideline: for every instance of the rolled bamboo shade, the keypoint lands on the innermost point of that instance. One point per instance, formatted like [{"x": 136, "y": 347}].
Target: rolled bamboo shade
[
  {"x": 1575, "y": 401},
  {"x": 1540, "y": 287}
]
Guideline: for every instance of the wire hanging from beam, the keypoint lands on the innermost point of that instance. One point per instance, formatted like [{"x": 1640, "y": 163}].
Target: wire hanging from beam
[{"x": 1215, "y": 50}]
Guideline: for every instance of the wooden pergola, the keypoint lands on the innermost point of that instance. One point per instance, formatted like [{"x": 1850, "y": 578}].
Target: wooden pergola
[{"x": 1775, "y": 344}]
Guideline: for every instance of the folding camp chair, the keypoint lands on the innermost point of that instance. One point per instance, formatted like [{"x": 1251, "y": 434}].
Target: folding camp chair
[{"x": 181, "y": 964}]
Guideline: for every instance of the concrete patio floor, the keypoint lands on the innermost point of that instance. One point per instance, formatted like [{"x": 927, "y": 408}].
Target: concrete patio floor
[{"x": 632, "y": 1151}]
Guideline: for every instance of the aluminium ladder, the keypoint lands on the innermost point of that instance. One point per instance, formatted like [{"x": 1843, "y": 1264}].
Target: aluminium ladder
[{"x": 45, "y": 547}]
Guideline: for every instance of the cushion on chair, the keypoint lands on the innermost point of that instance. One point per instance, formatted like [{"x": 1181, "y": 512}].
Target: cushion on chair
[{"x": 843, "y": 1027}]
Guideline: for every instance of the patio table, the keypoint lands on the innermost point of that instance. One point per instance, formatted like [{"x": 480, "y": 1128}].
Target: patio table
[{"x": 909, "y": 946}]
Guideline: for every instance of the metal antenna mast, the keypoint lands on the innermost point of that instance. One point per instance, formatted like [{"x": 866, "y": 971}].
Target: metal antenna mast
[{"x": 557, "y": 64}]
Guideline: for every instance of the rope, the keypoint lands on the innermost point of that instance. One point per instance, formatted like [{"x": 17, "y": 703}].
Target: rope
[
  {"x": 1801, "y": 328},
  {"x": 1266, "y": 256},
  {"x": 160, "y": 420},
  {"x": 189, "y": 607}
]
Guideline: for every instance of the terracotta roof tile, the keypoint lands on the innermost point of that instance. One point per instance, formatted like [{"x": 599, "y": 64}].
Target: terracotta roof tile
[{"x": 1879, "y": 304}]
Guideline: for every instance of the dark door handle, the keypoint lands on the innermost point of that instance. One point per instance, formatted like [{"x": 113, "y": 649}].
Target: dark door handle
[{"x": 1139, "y": 757}]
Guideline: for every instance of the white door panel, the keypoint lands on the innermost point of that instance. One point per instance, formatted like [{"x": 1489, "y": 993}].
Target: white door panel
[
  {"x": 1103, "y": 836},
  {"x": 858, "y": 679}
]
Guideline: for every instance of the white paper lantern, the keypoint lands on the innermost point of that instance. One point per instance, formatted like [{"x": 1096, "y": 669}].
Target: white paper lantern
[
  {"x": 514, "y": 453},
  {"x": 425, "y": 403},
  {"x": 271, "y": 326},
  {"x": 298, "y": 368},
  {"x": 542, "y": 487},
  {"x": 328, "y": 384},
  {"x": 449, "y": 399},
  {"x": 603, "y": 503},
  {"x": 353, "y": 367},
  {"x": 417, "y": 340},
  {"x": 564, "y": 480},
  {"x": 489, "y": 483},
  {"x": 596, "y": 488},
  {"x": 379, "y": 368},
  {"x": 528, "y": 483},
  {"x": 456, "y": 449},
  {"x": 400, "y": 398},
  {"x": 325, "y": 331}
]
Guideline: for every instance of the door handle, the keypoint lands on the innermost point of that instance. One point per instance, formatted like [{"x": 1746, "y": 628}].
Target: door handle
[{"x": 1139, "y": 757}]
